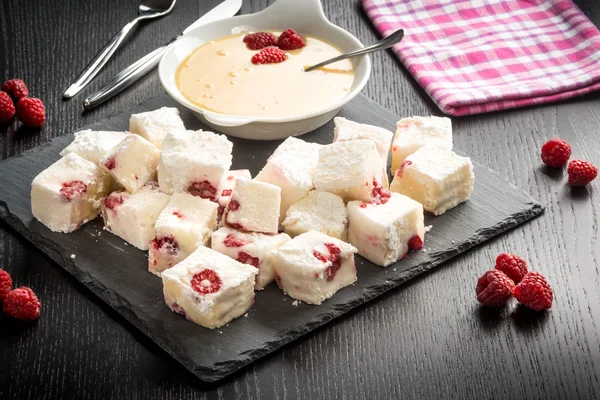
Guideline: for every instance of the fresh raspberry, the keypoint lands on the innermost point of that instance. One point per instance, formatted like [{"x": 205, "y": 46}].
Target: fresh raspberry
[
  {"x": 415, "y": 243},
  {"x": 512, "y": 265},
  {"x": 206, "y": 282},
  {"x": 494, "y": 288},
  {"x": 534, "y": 292},
  {"x": 15, "y": 88},
  {"x": 556, "y": 152},
  {"x": 233, "y": 241},
  {"x": 5, "y": 284},
  {"x": 246, "y": 258},
  {"x": 7, "y": 108},
  {"x": 73, "y": 189},
  {"x": 168, "y": 244},
  {"x": 234, "y": 205},
  {"x": 290, "y": 40},
  {"x": 404, "y": 164},
  {"x": 260, "y": 40},
  {"x": 202, "y": 189},
  {"x": 22, "y": 304},
  {"x": 269, "y": 55},
  {"x": 31, "y": 111},
  {"x": 581, "y": 172},
  {"x": 111, "y": 202}
]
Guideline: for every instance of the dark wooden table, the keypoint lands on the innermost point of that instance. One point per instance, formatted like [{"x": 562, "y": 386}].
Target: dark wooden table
[{"x": 428, "y": 339}]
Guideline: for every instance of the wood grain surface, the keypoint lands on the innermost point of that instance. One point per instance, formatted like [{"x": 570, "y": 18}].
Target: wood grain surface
[{"x": 428, "y": 339}]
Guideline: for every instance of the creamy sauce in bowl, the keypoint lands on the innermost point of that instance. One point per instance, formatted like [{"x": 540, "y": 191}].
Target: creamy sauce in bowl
[{"x": 219, "y": 76}]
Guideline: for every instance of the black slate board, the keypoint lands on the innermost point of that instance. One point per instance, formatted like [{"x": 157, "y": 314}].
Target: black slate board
[{"x": 116, "y": 271}]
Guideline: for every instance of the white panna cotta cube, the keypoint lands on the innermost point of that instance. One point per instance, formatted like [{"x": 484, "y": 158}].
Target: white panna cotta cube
[
  {"x": 132, "y": 216},
  {"x": 415, "y": 132},
  {"x": 66, "y": 194},
  {"x": 383, "y": 233},
  {"x": 312, "y": 267},
  {"x": 93, "y": 145},
  {"x": 194, "y": 162},
  {"x": 250, "y": 248},
  {"x": 346, "y": 130},
  {"x": 319, "y": 211},
  {"x": 254, "y": 206},
  {"x": 132, "y": 162},
  {"x": 349, "y": 169},
  {"x": 209, "y": 288},
  {"x": 227, "y": 185},
  {"x": 291, "y": 167},
  {"x": 154, "y": 125},
  {"x": 185, "y": 224},
  {"x": 438, "y": 179}
]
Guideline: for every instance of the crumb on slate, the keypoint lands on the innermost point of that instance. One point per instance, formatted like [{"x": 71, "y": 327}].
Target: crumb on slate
[
  {"x": 73, "y": 256},
  {"x": 428, "y": 228},
  {"x": 295, "y": 303}
]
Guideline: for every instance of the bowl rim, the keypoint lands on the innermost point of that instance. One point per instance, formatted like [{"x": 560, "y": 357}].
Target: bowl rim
[{"x": 239, "y": 120}]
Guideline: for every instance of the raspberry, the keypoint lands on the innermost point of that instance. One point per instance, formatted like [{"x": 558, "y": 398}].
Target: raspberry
[
  {"x": 512, "y": 265},
  {"x": 226, "y": 192},
  {"x": 534, "y": 292},
  {"x": 404, "y": 164},
  {"x": 22, "y": 304},
  {"x": 31, "y": 111},
  {"x": 246, "y": 258},
  {"x": 178, "y": 214},
  {"x": 7, "y": 108},
  {"x": 269, "y": 55},
  {"x": 415, "y": 243},
  {"x": 380, "y": 195},
  {"x": 556, "y": 152},
  {"x": 72, "y": 189},
  {"x": 494, "y": 288},
  {"x": 111, "y": 163},
  {"x": 290, "y": 40},
  {"x": 234, "y": 205},
  {"x": 334, "y": 257},
  {"x": 232, "y": 241},
  {"x": 202, "y": 189},
  {"x": 166, "y": 243},
  {"x": 111, "y": 202},
  {"x": 16, "y": 88},
  {"x": 5, "y": 284},
  {"x": 260, "y": 40},
  {"x": 206, "y": 282},
  {"x": 581, "y": 172},
  {"x": 235, "y": 225}
]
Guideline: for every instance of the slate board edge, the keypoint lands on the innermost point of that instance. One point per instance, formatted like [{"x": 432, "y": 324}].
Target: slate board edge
[{"x": 116, "y": 302}]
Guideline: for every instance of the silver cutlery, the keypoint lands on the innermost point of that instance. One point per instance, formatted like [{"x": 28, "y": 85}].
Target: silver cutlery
[
  {"x": 148, "y": 9},
  {"x": 381, "y": 45},
  {"x": 137, "y": 70}
]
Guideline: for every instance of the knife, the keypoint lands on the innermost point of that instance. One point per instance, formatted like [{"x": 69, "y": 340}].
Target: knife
[{"x": 141, "y": 67}]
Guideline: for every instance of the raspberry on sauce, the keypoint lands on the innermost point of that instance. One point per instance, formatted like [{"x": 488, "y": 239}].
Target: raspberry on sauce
[
  {"x": 259, "y": 40},
  {"x": 290, "y": 40},
  {"x": 269, "y": 55}
]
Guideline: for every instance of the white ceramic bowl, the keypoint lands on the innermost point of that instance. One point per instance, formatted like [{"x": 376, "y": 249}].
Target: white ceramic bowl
[{"x": 306, "y": 17}]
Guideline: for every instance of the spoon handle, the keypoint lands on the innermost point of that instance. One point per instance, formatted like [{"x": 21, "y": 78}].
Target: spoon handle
[
  {"x": 380, "y": 45},
  {"x": 99, "y": 61}
]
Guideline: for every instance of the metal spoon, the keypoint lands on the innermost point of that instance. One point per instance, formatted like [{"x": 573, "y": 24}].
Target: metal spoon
[
  {"x": 381, "y": 45},
  {"x": 148, "y": 9}
]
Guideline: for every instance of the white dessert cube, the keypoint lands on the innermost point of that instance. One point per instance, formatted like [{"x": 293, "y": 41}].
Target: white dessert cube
[
  {"x": 209, "y": 288},
  {"x": 185, "y": 224},
  {"x": 227, "y": 185},
  {"x": 438, "y": 179},
  {"x": 132, "y": 216},
  {"x": 415, "y": 132},
  {"x": 93, "y": 145},
  {"x": 383, "y": 233},
  {"x": 132, "y": 162},
  {"x": 349, "y": 169},
  {"x": 194, "y": 162},
  {"x": 349, "y": 130},
  {"x": 250, "y": 248},
  {"x": 291, "y": 167},
  {"x": 319, "y": 211},
  {"x": 154, "y": 125},
  {"x": 66, "y": 194},
  {"x": 254, "y": 206},
  {"x": 312, "y": 267}
]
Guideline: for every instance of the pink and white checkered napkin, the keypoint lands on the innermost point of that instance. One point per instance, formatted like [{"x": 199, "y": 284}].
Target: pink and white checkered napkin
[{"x": 476, "y": 56}]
